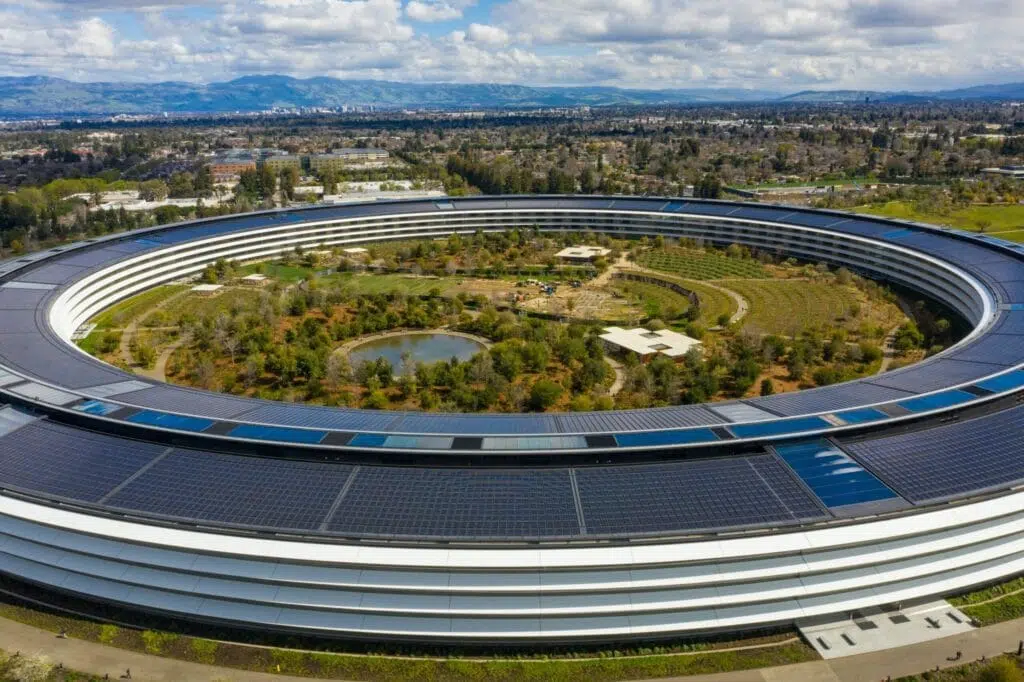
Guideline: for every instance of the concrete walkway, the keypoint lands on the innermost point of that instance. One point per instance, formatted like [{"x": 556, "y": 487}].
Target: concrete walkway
[
  {"x": 98, "y": 659},
  {"x": 981, "y": 643}
]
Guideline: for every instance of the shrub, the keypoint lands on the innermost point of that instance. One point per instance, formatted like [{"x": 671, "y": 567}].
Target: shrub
[
  {"x": 156, "y": 642},
  {"x": 204, "y": 650},
  {"x": 544, "y": 394},
  {"x": 108, "y": 633},
  {"x": 1001, "y": 670}
]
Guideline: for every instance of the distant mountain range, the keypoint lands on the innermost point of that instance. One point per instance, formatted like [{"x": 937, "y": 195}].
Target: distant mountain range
[{"x": 43, "y": 96}]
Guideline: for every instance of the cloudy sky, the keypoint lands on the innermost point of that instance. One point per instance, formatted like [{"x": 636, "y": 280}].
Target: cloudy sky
[{"x": 774, "y": 44}]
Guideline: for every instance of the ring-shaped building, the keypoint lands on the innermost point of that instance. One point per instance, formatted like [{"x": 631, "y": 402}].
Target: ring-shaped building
[{"x": 534, "y": 528}]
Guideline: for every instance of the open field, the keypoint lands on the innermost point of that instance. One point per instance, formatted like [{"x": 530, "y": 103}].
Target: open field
[
  {"x": 286, "y": 274},
  {"x": 201, "y": 305},
  {"x": 655, "y": 301},
  {"x": 122, "y": 313},
  {"x": 1004, "y": 220},
  {"x": 787, "y": 307},
  {"x": 700, "y": 264}
]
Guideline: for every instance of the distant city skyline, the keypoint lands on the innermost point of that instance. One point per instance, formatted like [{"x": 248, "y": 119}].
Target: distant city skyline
[{"x": 781, "y": 45}]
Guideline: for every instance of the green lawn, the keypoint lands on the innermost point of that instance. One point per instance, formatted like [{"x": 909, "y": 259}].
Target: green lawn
[
  {"x": 1008, "y": 602},
  {"x": 1004, "y": 220},
  {"x": 378, "y": 284},
  {"x": 700, "y": 264},
  {"x": 123, "y": 312},
  {"x": 287, "y": 274},
  {"x": 788, "y": 307},
  {"x": 656, "y": 301},
  {"x": 204, "y": 305}
]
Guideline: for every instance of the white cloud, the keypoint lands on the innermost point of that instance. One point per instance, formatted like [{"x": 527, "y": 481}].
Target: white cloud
[
  {"x": 437, "y": 10},
  {"x": 488, "y": 35},
  {"x": 777, "y": 44}
]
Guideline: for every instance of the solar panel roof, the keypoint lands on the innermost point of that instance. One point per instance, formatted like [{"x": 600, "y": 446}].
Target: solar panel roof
[
  {"x": 943, "y": 462},
  {"x": 659, "y": 498}
]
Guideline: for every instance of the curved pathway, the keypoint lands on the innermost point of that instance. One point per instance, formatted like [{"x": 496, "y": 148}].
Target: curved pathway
[
  {"x": 132, "y": 328},
  {"x": 620, "y": 376},
  {"x": 742, "y": 305}
]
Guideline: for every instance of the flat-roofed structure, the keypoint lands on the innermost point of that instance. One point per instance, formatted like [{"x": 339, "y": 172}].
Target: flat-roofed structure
[
  {"x": 340, "y": 158},
  {"x": 583, "y": 253},
  {"x": 228, "y": 167},
  {"x": 279, "y": 162},
  {"x": 646, "y": 343},
  {"x": 207, "y": 289},
  {"x": 255, "y": 280},
  {"x": 1015, "y": 172}
]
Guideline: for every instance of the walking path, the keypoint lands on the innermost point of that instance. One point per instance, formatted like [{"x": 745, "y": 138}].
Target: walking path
[
  {"x": 620, "y": 376},
  {"x": 99, "y": 659},
  {"x": 132, "y": 328}
]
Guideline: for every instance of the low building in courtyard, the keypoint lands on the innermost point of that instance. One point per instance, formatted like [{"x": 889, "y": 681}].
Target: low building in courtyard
[
  {"x": 646, "y": 344},
  {"x": 579, "y": 254}
]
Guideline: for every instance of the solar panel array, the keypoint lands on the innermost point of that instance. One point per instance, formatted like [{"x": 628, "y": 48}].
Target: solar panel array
[
  {"x": 692, "y": 495},
  {"x": 476, "y": 503},
  {"x": 837, "y": 398},
  {"x": 947, "y": 461},
  {"x": 66, "y": 462},
  {"x": 233, "y": 489}
]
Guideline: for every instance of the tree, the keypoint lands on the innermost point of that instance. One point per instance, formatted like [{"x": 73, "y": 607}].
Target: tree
[
  {"x": 709, "y": 187},
  {"x": 181, "y": 185},
  {"x": 544, "y": 394},
  {"x": 329, "y": 179},
  {"x": 588, "y": 181},
  {"x": 289, "y": 179},
  {"x": 254, "y": 367},
  {"x": 153, "y": 190},
  {"x": 767, "y": 387}
]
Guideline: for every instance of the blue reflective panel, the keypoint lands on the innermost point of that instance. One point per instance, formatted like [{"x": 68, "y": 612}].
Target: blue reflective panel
[
  {"x": 170, "y": 421},
  {"x": 813, "y": 219},
  {"x": 368, "y": 440},
  {"x": 898, "y": 234},
  {"x": 862, "y": 416},
  {"x": 96, "y": 407},
  {"x": 528, "y": 443},
  {"x": 777, "y": 428},
  {"x": 675, "y": 205},
  {"x": 937, "y": 401},
  {"x": 833, "y": 475},
  {"x": 627, "y": 440},
  {"x": 1004, "y": 382},
  {"x": 419, "y": 442},
  {"x": 277, "y": 433}
]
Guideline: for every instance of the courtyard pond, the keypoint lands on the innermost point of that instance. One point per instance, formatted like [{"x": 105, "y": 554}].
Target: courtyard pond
[{"x": 422, "y": 347}]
